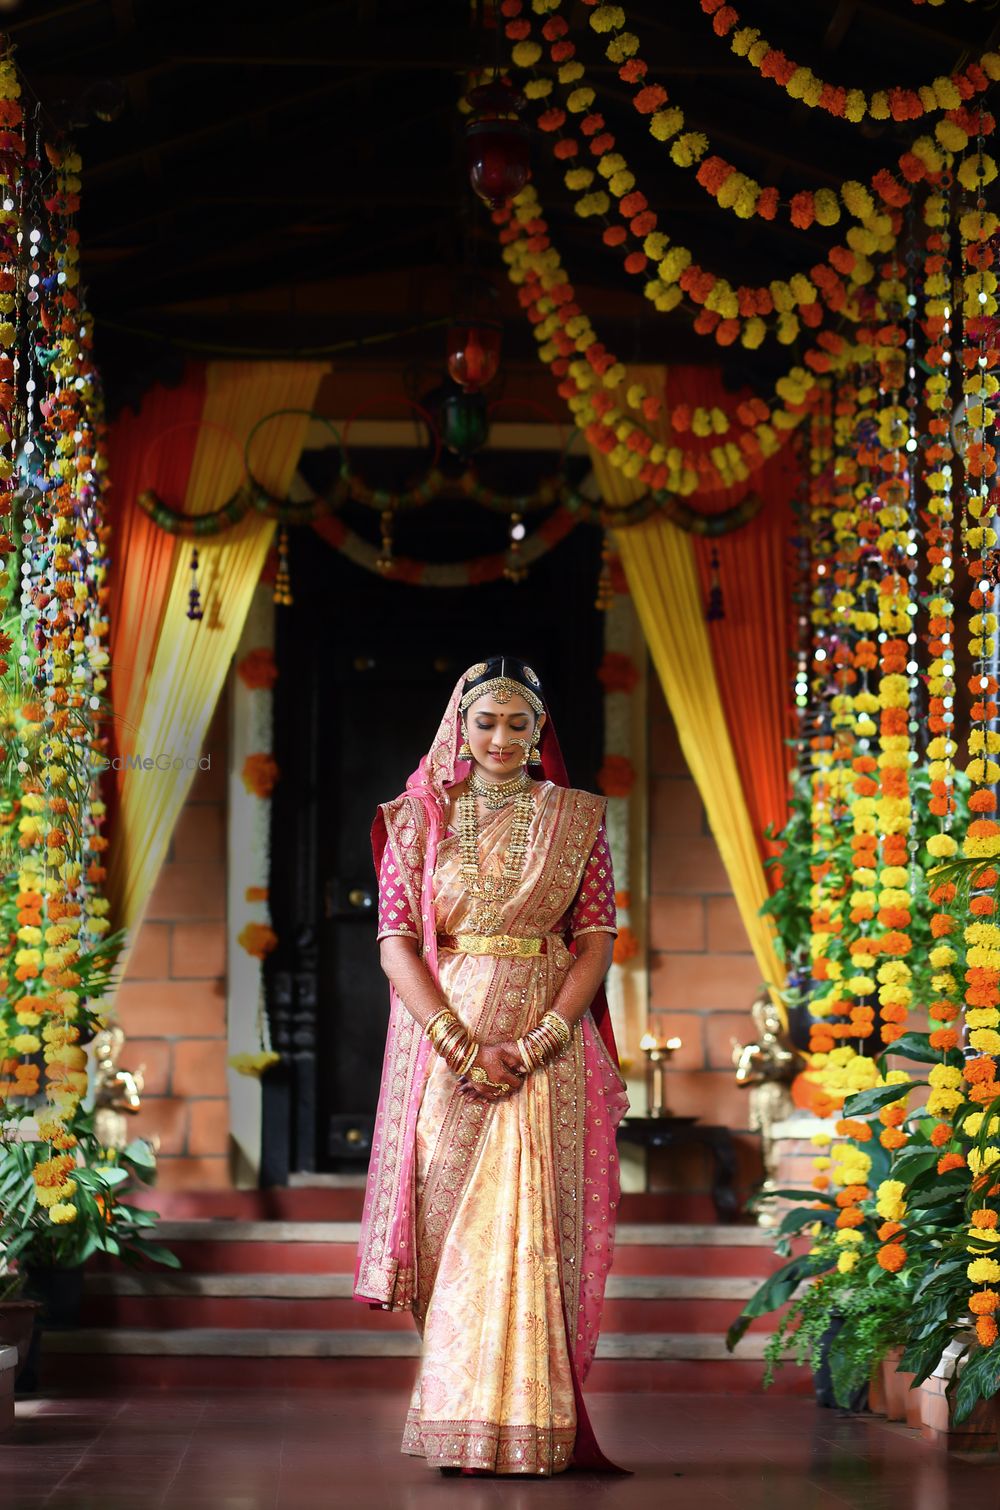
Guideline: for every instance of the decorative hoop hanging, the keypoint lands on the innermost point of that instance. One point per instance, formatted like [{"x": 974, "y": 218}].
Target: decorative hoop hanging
[{"x": 260, "y": 490}]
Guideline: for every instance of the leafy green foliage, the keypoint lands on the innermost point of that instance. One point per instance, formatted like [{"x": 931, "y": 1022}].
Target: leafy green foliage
[{"x": 105, "y": 1222}]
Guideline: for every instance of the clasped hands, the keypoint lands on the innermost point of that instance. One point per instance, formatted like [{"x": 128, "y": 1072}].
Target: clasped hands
[{"x": 504, "y": 1072}]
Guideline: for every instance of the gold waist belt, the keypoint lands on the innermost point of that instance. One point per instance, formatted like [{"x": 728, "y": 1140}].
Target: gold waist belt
[{"x": 492, "y": 943}]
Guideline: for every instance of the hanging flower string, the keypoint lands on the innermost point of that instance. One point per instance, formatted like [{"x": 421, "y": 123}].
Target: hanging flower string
[
  {"x": 725, "y": 312},
  {"x": 589, "y": 373},
  {"x": 743, "y": 195},
  {"x": 946, "y": 92}
]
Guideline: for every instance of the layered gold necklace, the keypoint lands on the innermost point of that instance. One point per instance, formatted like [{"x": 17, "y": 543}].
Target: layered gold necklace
[{"x": 491, "y": 890}]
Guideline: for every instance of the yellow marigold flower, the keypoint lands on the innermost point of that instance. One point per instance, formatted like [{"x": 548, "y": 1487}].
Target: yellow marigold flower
[
  {"x": 664, "y": 124},
  {"x": 253, "y": 1065},
  {"x": 983, "y": 1271},
  {"x": 526, "y": 54},
  {"x": 848, "y": 1237},
  {"x": 62, "y": 1214},
  {"x": 848, "y": 1260},
  {"x": 980, "y": 1161},
  {"x": 579, "y": 100},
  {"x": 945, "y": 1076},
  {"x": 942, "y": 846}
]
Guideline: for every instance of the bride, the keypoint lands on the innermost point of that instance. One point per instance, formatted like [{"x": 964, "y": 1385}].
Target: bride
[{"x": 493, "y": 1184}]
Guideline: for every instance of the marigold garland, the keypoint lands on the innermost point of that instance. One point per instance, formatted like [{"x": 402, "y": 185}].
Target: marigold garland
[
  {"x": 725, "y": 312},
  {"x": 568, "y": 344},
  {"x": 738, "y": 191},
  {"x": 982, "y": 839},
  {"x": 946, "y": 92}
]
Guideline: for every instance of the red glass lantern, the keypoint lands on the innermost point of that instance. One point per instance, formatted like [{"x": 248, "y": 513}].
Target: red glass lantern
[
  {"x": 473, "y": 350},
  {"x": 498, "y": 143}
]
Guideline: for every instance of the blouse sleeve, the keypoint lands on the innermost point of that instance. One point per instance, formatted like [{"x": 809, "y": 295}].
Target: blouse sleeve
[
  {"x": 395, "y": 918},
  {"x": 593, "y": 909}
]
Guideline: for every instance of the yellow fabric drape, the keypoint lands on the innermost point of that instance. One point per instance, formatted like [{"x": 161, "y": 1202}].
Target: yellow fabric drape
[
  {"x": 662, "y": 576},
  {"x": 192, "y": 658}
]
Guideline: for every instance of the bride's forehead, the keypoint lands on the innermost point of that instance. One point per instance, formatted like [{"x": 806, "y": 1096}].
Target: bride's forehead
[{"x": 517, "y": 707}]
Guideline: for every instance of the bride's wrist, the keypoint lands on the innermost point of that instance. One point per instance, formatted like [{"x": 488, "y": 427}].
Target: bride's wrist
[{"x": 452, "y": 1040}]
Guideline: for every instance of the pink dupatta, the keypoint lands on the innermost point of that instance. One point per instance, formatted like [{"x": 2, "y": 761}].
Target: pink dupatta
[{"x": 385, "y": 1270}]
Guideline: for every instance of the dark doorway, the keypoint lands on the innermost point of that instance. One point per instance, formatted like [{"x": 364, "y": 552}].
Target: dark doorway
[{"x": 365, "y": 669}]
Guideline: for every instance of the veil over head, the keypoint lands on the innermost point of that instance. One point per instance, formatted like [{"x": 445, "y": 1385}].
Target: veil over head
[{"x": 441, "y": 767}]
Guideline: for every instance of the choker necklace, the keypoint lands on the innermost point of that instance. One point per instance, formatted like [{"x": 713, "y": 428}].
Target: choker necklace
[{"x": 497, "y": 794}]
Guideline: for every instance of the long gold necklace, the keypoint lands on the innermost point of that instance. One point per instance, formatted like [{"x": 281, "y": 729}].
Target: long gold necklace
[{"x": 491, "y": 890}]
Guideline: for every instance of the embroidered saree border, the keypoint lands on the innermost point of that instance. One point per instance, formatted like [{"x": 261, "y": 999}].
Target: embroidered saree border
[{"x": 504, "y": 1448}]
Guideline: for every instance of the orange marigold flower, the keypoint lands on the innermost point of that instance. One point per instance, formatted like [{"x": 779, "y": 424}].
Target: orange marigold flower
[
  {"x": 887, "y": 1230},
  {"x": 850, "y": 1127},
  {"x": 851, "y": 1195},
  {"x": 943, "y": 1038},
  {"x": 978, "y": 1070},
  {"x": 892, "y": 1257},
  {"x": 984, "y": 1218},
  {"x": 986, "y": 1330},
  {"x": 820, "y": 1182},
  {"x": 892, "y": 1116},
  {"x": 941, "y": 1134},
  {"x": 851, "y": 1217},
  {"x": 892, "y": 1137},
  {"x": 984, "y": 1302},
  {"x": 950, "y": 1161}
]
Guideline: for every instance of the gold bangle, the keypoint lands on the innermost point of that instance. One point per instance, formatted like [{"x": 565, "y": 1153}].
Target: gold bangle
[
  {"x": 559, "y": 1024},
  {"x": 431, "y": 1027}
]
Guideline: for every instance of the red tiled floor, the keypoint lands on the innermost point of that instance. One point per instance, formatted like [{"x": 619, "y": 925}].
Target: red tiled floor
[{"x": 250, "y": 1450}]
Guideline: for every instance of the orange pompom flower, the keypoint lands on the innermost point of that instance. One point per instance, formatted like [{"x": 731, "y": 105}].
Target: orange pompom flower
[{"x": 986, "y": 1330}]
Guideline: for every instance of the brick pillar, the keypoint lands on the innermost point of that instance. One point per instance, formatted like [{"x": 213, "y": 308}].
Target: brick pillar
[
  {"x": 172, "y": 1001},
  {"x": 703, "y": 975}
]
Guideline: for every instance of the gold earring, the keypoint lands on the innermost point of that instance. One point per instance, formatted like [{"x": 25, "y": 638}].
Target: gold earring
[
  {"x": 534, "y": 754},
  {"x": 465, "y": 750}
]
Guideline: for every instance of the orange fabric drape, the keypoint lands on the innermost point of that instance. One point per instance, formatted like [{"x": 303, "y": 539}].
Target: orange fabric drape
[
  {"x": 752, "y": 645},
  {"x": 154, "y": 448}
]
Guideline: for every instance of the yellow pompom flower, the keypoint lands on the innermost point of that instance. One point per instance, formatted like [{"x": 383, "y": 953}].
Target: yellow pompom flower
[{"x": 983, "y": 1271}]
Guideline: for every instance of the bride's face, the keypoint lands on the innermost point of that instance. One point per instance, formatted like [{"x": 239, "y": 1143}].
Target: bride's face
[{"x": 500, "y": 733}]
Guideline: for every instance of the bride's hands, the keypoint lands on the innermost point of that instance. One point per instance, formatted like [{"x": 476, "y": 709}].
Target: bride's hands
[{"x": 502, "y": 1064}]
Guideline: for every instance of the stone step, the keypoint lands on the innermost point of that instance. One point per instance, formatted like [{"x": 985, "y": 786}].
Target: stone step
[
  {"x": 178, "y": 1283},
  {"x": 242, "y": 1313},
  {"x": 266, "y": 1343},
  {"x": 629, "y": 1234}
]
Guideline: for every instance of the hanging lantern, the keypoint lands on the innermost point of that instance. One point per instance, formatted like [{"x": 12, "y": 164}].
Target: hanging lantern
[
  {"x": 498, "y": 143},
  {"x": 465, "y": 425},
  {"x": 473, "y": 349}
]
